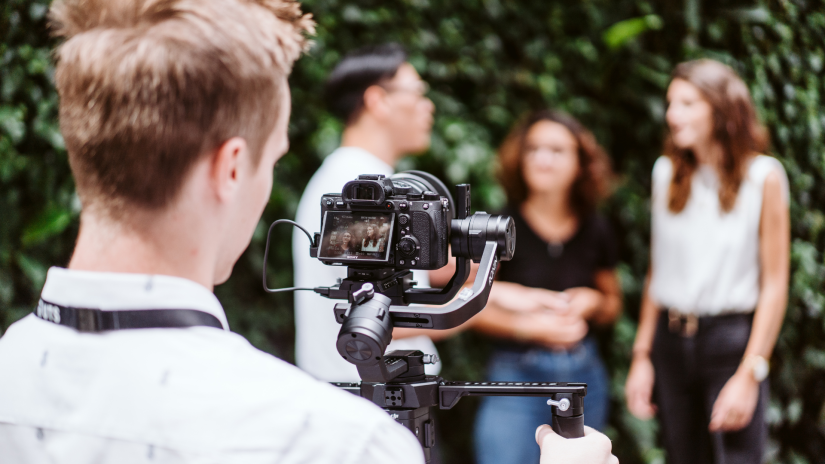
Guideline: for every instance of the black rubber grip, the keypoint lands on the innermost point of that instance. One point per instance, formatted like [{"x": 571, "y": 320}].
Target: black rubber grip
[
  {"x": 421, "y": 231},
  {"x": 569, "y": 427}
]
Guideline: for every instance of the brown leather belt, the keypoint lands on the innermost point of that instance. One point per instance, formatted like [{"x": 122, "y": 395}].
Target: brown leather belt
[{"x": 685, "y": 325}]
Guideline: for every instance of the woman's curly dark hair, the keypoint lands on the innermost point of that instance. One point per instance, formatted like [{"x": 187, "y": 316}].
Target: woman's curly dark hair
[{"x": 594, "y": 181}]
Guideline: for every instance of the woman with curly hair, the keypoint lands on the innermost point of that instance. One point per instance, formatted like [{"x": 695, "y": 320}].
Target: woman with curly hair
[
  {"x": 347, "y": 245},
  {"x": 560, "y": 282},
  {"x": 718, "y": 278}
]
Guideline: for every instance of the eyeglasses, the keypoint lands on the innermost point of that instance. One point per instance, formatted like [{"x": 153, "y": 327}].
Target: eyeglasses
[{"x": 420, "y": 90}]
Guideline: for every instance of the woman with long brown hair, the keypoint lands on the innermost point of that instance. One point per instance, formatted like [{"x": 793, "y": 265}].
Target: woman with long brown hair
[
  {"x": 718, "y": 279},
  {"x": 561, "y": 280},
  {"x": 372, "y": 242}
]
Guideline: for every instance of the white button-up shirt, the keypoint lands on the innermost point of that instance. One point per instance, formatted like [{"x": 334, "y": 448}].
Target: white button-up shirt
[
  {"x": 316, "y": 329},
  {"x": 196, "y": 395}
]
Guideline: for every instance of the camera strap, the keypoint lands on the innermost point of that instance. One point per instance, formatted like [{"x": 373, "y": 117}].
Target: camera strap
[{"x": 96, "y": 320}]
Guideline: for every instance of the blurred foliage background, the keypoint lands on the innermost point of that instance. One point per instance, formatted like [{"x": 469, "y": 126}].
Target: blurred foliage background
[{"x": 488, "y": 61}]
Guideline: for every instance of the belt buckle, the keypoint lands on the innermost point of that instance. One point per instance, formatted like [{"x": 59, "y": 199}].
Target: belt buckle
[{"x": 685, "y": 325}]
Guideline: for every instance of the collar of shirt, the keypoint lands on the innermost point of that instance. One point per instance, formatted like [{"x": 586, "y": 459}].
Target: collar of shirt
[
  {"x": 112, "y": 291},
  {"x": 357, "y": 156}
]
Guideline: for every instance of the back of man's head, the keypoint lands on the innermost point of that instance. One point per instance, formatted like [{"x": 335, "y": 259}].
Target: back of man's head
[
  {"x": 357, "y": 71},
  {"x": 148, "y": 87}
]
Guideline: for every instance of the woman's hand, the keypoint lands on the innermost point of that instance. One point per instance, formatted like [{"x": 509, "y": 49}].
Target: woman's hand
[
  {"x": 552, "y": 330},
  {"x": 638, "y": 389},
  {"x": 515, "y": 297},
  {"x": 583, "y": 302},
  {"x": 530, "y": 315},
  {"x": 734, "y": 407}
]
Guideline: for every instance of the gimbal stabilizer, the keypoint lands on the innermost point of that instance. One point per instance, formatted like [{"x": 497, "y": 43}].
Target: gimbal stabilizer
[{"x": 377, "y": 302}]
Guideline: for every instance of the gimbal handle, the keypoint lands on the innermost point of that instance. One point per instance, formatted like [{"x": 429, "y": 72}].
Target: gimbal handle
[{"x": 566, "y": 399}]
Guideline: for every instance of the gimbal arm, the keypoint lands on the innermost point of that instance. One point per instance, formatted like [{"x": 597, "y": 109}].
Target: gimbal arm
[{"x": 468, "y": 303}]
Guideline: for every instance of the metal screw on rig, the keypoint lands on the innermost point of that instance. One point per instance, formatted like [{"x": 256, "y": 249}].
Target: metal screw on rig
[
  {"x": 430, "y": 359},
  {"x": 364, "y": 293},
  {"x": 563, "y": 404}
]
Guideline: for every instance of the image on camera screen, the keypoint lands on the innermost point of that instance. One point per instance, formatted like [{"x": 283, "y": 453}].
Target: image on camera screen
[{"x": 356, "y": 236}]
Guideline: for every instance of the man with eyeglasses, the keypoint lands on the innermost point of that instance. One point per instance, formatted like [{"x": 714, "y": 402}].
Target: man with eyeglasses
[{"x": 382, "y": 101}]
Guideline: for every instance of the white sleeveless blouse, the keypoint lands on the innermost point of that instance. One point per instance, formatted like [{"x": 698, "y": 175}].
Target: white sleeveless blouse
[{"x": 705, "y": 261}]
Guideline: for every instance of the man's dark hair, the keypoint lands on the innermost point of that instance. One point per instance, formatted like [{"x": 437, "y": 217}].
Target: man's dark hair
[{"x": 359, "y": 70}]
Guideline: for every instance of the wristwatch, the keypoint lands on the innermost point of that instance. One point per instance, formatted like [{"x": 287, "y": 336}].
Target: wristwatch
[{"x": 758, "y": 366}]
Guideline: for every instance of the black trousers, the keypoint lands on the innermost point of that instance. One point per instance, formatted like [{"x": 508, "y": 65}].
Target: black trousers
[{"x": 690, "y": 373}]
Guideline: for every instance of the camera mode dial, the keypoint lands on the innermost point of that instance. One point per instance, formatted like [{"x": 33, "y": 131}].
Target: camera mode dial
[
  {"x": 401, "y": 188},
  {"x": 407, "y": 246}
]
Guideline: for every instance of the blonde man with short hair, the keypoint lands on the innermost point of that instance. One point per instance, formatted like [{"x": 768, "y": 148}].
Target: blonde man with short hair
[{"x": 174, "y": 114}]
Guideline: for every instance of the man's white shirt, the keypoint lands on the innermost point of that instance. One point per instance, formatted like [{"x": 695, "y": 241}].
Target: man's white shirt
[
  {"x": 196, "y": 395},
  {"x": 316, "y": 330}
]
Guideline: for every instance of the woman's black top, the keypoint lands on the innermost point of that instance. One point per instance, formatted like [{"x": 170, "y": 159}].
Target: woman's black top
[{"x": 557, "y": 267}]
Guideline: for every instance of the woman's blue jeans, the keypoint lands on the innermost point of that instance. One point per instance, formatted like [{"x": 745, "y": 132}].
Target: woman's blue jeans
[{"x": 506, "y": 426}]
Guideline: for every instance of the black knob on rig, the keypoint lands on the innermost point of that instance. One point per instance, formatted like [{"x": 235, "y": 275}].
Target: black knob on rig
[{"x": 366, "y": 331}]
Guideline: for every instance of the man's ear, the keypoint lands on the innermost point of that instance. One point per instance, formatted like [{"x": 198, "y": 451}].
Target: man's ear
[
  {"x": 375, "y": 101},
  {"x": 225, "y": 171}
]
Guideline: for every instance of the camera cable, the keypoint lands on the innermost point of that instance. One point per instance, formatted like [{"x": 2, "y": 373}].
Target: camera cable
[{"x": 321, "y": 290}]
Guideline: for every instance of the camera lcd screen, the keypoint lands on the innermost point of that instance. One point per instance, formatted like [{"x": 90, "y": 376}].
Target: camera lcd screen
[{"x": 356, "y": 236}]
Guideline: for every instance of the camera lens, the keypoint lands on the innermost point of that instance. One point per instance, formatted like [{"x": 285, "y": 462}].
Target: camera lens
[{"x": 469, "y": 236}]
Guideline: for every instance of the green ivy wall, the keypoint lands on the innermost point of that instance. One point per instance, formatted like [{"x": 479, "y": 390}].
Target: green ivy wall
[{"x": 488, "y": 61}]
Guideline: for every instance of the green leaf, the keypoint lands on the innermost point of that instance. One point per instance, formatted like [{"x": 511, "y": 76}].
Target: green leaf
[
  {"x": 51, "y": 222},
  {"x": 32, "y": 269},
  {"x": 815, "y": 358},
  {"x": 624, "y": 31},
  {"x": 6, "y": 289},
  {"x": 12, "y": 122}
]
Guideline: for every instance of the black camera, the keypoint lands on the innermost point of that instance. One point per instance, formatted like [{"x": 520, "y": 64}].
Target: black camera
[
  {"x": 402, "y": 222},
  {"x": 381, "y": 228}
]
